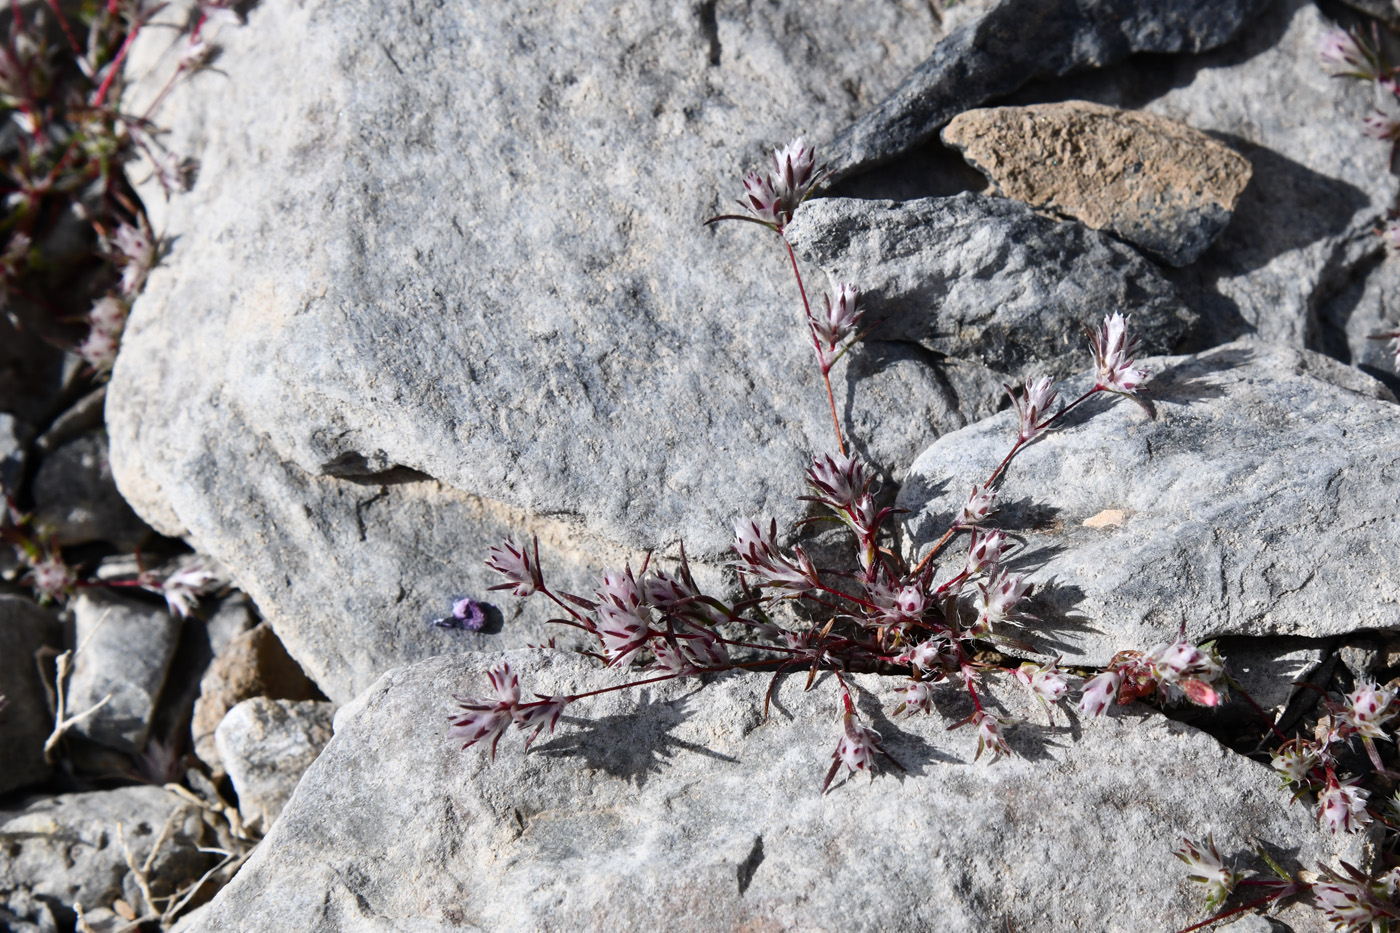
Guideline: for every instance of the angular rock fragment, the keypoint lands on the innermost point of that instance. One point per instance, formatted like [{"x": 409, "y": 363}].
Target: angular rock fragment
[
  {"x": 1155, "y": 182},
  {"x": 25, "y": 719},
  {"x": 1020, "y": 40},
  {"x": 124, "y": 649},
  {"x": 65, "y": 851},
  {"x": 266, "y": 746},
  {"x": 253, "y": 664},
  {"x": 979, "y": 278},
  {"x": 684, "y": 801},
  {"x": 1261, "y": 500}
]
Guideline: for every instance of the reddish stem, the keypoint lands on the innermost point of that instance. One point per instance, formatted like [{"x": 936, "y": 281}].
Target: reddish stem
[
  {"x": 817, "y": 346},
  {"x": 116, "y": 66}
]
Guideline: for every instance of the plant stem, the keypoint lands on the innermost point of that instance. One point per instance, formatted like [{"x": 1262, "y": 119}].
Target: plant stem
[{"x": 816, "y": 345}]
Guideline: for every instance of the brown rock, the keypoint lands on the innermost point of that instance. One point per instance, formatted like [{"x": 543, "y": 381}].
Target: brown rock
[
  {"x": 1157, "y": 183},
  {"x": 252, "y": 665}
]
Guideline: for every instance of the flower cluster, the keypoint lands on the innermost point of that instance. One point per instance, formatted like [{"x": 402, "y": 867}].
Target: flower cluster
[
  {"x": 877, "y": 612},
  {"x": 1170, "y": 671},
  {"x": 489, "y": 718}
]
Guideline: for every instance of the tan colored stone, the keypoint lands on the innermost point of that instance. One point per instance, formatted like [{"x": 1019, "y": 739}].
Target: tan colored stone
[
  {"x": 1153, "y": 181},
  {"x": 252, "y": 665}
]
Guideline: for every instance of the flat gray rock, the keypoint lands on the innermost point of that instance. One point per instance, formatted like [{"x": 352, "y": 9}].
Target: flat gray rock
[
  {"x": 1156, "y": 183},
  {"x": 266, "y": 745},
  {"x": 1261, "y": 501},
  {"x": 25, "y": 720},
  {"x": 125, "y": 649},
  {"x": 1017, "y": 41},
  {"x": 980, "y": 278},
  {"x": 681, "y": 802},
  {"x": 380, "y": 346},
  {"x": 65, "y": 850}
]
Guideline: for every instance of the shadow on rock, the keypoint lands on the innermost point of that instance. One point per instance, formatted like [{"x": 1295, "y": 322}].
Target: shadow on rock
[{"x": 633, "y": 745}]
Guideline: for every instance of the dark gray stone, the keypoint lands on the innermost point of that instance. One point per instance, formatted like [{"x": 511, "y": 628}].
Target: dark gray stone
[
  {"x": 1018, "y": 41},
  {"x": 987, "y": 280},
  {"x": 25, "y": 720},
  {"x": 76, "y": 499},
  {"x": 124, "y": 648}
]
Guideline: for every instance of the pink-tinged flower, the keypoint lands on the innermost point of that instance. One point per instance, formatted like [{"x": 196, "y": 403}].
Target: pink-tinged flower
[
  {"x": 1378, "y": 125},
  {"x": 702, "y": 647},
  {"x": 759, "y": 198},
  {"x": 137, "y": 250},
  {"x": 985, "y": 551},
  {"x": 51, "y": 577},
  {"x": 1113, "y": 350},
  {"x": 1205, "y": 866},
  {"x": 1339, "y": 47},
  {"x": 989, "y": 737},
  {"x": 1342, "y": 806},
  {"x": 106, "y": 322},
  {"x": 518, "y": 566},
  {"x": 842, "y": 315},
  {"x": 773, "y": 198},
  {"x": 1099, "y": 693},
  {"x": 980, "y": 504},
  {"x": 540, "y": 715},
  {"x": 793, "y": 167},
  {"x": 1369, "y": 708},
  {"x": 1296, "y": 760},
  {"x": 1045, "y": 681},
  {"x": 176, "y": 175},
  {"x": 910, "y": 601},
  {"x": 623, "y": 617},
  {"x": 1391, "y": 233},
  {"x": 1184, "y": 668},
  {"x": 926, "y": 656},
  {"x": 1032, "y": 406},
  {"x": 915, "y": 697},
  {"x": 488, "y": 718},
  {"x": 856, "y": 749},
  {"x": 183, "y": 588},
  {"x": 839, "y": 480},
  {"x": 1347, "y": 905},
  {"x": 760, "y": 558},
  {"x": 997, "y": 599}
]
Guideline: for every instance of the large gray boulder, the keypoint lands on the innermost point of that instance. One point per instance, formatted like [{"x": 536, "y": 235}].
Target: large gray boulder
[
  {"x": 465, "y": 292},
  {"x": 681, "y": 802},
  {"x": 1260, "y": 501}
]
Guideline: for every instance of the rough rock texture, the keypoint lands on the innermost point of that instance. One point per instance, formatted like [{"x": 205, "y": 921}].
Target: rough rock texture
[
  {"x": 59, "y": 851},
  {"x": 683, "y": 802},
  {"x": 76, "y": 500},
  {"x": 1157, "y": 183},
  {"x": 1383, "y": 10},
  {"x": 1262, "y": 500},
  {"x": 1018, "y": 40},
  {"x": 124, "y": 648},
  {"x": 982, "y": 278},
  {"x": 1294, "y": 259},
  {"x": 346, "y": 293},
  {"x": 267, "y": 745},
  {"x": 253, "y": 664},
  {"x": 25, "y": 720},
  {"x": 11, "y": 450}
]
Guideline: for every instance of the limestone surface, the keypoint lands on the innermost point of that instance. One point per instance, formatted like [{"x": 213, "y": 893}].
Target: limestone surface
[
  {"x": 266, "y": 745},
  {"x": 682, "y": 801},
  {"x": 1262, "y": 500},
  {"x": 25, "y": 719}
]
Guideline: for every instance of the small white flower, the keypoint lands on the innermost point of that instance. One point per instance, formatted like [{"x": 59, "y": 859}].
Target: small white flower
[
  {"x": 488, "y": 718},
  {"x": 1099, "y": 693},
  {"x": 1113, "y": 349},
  {"x": 623, "y": 617},
  {"x": 980, "y": 504},
  {"x": 1205, "y": 866},
  {"x": 1342, "y": 806},
  {"x": 1033, "y": 405},
  {"x": 185, "y": 585},
  {"x": 1045, "y": 681},
  {"x": 842, "y": 315},
  {"x": 838, "y": 480},
  {"x": 51, "y": 577},
  {"x": 138, "y": 252},
  {"x": 915, "y": 697},
  {"x": 985, "y": 551},
  {"x": 759, "y": 556},
  {"x": 997, "y": 598},
  {"x": 1369, "y": 709},
  {"x": 1296, "y": 761},
  {"x": 989, "y": 737},
  {"x": 517, "y": 566}
]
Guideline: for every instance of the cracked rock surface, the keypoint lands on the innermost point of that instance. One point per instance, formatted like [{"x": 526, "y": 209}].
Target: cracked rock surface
[
  {"x": 1260, "y": 501},
  {"x": 683, "y": 802}
]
